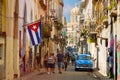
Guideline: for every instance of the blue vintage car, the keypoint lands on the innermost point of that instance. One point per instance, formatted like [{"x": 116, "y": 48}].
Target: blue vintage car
[{"x": 84, "y": 62}]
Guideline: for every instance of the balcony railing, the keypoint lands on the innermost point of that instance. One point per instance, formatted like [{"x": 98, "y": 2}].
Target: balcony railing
[{"x": 113, "y": 13}]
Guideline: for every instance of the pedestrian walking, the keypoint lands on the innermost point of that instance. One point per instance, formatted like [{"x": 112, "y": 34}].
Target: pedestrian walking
[
  {"x": 68, "y": 57},
  {"x": 54, "y": 61},
  {"x": 73, "y": 60},
  {"x": 110, "y": 62},
  {"x": 38, "y": 61},
  {"x": 60, "y": 57},
  {"x": 46, "y": 62},
  {"x": 50, "y": 63},
  {"x": 65, "y": 63}
]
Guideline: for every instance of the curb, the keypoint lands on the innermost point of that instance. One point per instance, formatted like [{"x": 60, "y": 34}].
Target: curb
[{"x": 99, "y": 76}]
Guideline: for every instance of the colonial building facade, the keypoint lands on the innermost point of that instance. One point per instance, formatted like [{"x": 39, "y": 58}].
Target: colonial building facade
[
  {"x": 17, "y": 55},
  {"x": 105, "y": 16}
]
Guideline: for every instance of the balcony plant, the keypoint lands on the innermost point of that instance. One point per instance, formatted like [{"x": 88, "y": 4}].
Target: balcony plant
[
  {"x": 92, "y": 38},
  {"x": 59, "y": 25},
  {"x": 113, "y": 5},
  {"x": 105, "y": 20},
  {"x": 84, "y": 33},
  {"x": 46, "y": 30},
  {"x": 99, "y": 21},
  {"x": 113, "y": 8}
]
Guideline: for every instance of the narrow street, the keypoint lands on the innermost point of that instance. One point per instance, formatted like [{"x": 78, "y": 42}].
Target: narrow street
[
  {"x": 39, "y": 33},
  {"x": 70, "y": 74}
]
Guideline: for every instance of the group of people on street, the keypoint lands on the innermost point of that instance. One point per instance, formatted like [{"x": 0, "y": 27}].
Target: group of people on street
[{"x": 51, "y": 60}]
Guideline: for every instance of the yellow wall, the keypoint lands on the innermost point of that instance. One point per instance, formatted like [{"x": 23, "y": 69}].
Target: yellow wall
[{"x": 4, "y": 15}]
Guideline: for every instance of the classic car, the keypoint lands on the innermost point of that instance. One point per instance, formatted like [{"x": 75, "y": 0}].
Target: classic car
[{"x": 84, "y": 62}]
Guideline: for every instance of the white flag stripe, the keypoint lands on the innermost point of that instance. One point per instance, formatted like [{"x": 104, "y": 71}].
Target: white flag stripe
[
  {"x": 34, "y": 37},
  {"x": 39, "y": 32}
]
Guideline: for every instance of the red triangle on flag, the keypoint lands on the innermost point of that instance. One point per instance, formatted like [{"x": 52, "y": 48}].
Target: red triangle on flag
[{"x": 34, "y": 26}]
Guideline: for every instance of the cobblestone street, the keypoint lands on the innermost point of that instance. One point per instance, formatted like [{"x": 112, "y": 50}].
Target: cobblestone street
[{"x": 68, "y": 75}]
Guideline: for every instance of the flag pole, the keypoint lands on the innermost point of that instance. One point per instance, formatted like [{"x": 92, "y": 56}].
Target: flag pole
[{"x": 31, "y": 23}]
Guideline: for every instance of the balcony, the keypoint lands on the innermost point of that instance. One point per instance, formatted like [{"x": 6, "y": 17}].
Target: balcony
[
  {"x": 46, "y": 30},
  {"x": 92, "y": 37},
  {"x": 58, "y": 25},
  {"x": 43, "y": 6},
  {"x": 113, "y": 8},
  {"x": 113, "y": 13},
  {"x": 55, "y": 39},
  {"x": 105, "y": 20}
]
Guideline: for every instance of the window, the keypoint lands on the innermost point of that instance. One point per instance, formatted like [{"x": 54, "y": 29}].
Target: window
[{"x": 84, "y": 57}]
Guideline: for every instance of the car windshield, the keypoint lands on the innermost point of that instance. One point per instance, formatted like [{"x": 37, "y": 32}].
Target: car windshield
[{"x": 84, "y": 57}]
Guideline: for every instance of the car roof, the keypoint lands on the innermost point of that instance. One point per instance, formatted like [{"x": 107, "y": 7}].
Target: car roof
[{"x": 84, "y": 55}]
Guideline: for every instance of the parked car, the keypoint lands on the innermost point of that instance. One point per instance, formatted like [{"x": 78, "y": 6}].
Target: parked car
[{"x": 84, "y": 62}]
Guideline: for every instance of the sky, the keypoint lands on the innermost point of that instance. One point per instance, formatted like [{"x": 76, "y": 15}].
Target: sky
[{"x": 68, "y": 5}]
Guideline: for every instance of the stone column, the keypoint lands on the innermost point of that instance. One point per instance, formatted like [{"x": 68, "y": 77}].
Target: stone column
[
  {"x": 9, "y": 39},
  {"x": 16, "y": 42}
]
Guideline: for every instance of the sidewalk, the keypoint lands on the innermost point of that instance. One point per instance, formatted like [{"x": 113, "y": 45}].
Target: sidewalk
[
  {"x": 40, "y": 75},
  {"x": 26, "y": 76},
  {"x": 99, "y": 76}
]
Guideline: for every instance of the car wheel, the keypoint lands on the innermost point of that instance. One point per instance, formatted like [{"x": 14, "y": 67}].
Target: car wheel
[
  {"x": 76, "y": 69},
  {"x": 91, "y": 70}
]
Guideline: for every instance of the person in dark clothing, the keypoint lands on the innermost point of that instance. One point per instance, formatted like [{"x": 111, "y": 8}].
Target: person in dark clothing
[
  {"x": 65, "y": 62},
  {"x": 38, "y": 61},
  {"x": 73, "y": 60},
  {"x": 60, "y": 58},
  {"x": 68, "y": 57},
  {"x": 110, "y": 62},
  {"x": 54, "y": 61},
  {"x": 50, "y": 63},
  {"x": 45, "y": 62}
]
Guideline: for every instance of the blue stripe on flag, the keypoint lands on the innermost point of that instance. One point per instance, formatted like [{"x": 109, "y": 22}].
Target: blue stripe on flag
[
  {"x": 31, "y": 36},
  {"x": 38, "y": 37}
]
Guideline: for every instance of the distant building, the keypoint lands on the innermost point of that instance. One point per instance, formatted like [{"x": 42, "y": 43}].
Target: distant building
[{"x": 73, "y": 27}]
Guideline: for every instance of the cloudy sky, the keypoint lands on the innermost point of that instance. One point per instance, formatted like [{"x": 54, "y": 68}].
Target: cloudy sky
[{"x": 68, "y": 5}]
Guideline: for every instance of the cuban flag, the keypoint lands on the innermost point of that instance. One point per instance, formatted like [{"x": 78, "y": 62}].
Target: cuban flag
[{"x": 35, "y": 32}]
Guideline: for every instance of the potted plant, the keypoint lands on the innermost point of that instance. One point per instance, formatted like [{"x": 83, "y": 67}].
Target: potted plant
[
  {"x": 105, "y": 20},
  {"x": 46, "y": 30},
  {"x": 113, "y": 8},
  {"x": 59, "y": 25}
]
